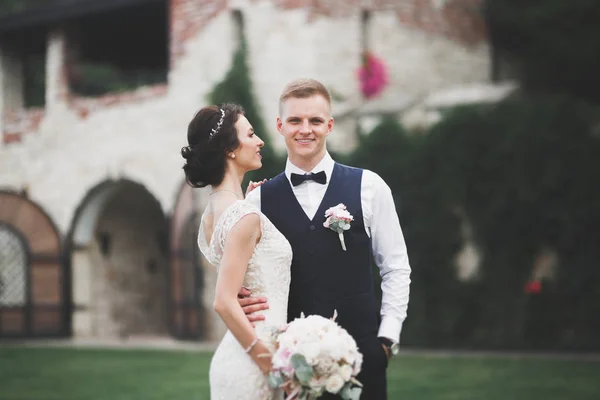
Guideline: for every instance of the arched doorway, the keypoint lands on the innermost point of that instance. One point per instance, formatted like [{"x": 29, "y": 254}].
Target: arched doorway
[
  {"x": 33, "y": 281},
  {"x": 192, "y": 278},
  {"x": 119, "y": 263}
]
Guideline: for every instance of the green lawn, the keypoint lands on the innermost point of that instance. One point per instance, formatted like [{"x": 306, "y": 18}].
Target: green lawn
[{"x": 74, "y": 374}]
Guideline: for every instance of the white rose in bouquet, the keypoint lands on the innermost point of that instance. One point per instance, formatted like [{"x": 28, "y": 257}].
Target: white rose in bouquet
[
  {"x": 345, "y": 372},
  {"x": 334, "y": 383},
  {"x": 313, "y": 355}
]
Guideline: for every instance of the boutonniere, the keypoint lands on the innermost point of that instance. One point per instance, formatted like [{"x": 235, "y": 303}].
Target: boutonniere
[{"x": 338, "y": 220}]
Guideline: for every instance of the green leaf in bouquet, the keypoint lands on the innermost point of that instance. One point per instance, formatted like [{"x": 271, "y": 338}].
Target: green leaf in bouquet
[
  {"x": 347, "y": 386},
  {"x": 304, "y": 371},
  {"x": 304, "y": 395},
  {"x": 342, "y": 224},
  {"x": 275, "y": 380},
  {"x": 346, "y": 227},
  {"x": 319, "y": 392},
  {"x": 350, "y": 393}
]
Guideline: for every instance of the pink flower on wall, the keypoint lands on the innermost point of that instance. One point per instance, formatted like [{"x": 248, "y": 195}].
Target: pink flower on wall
[
  {"x": 372, "y": 75},
  {"x": 533, "y": 287}
]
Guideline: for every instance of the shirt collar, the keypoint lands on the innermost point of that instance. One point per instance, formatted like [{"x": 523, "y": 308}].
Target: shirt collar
[{"x": 326, "y": 164}]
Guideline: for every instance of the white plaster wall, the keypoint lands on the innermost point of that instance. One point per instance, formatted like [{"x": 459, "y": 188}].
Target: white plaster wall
[
  {"x": 287, "y": 45},
  {"x": 420, "y": 63},
  {"x": 207, "y": 59},
  {"x": 141, "y": 141},
  {"x": 281, "y": 49}
]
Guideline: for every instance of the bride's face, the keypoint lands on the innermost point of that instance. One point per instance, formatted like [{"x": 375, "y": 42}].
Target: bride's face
[{"x": 247, "y": 155}]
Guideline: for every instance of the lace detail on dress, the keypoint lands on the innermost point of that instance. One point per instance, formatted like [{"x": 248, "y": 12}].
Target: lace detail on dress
[
  {"x": 233, "y": 374},
  {"x": 213, "y": 251}
]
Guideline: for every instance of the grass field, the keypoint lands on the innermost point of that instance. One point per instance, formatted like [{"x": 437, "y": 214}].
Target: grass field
[{"x": 75, "y": 374}]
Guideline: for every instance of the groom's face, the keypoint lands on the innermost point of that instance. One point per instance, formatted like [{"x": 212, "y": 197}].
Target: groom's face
[{"x": 305, "y": 124}]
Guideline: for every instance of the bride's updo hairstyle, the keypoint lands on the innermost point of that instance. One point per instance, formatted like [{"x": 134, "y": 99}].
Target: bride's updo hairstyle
[{"x": 211, "y": 136}]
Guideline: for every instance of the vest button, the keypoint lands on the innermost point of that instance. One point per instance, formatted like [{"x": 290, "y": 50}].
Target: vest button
[{"x": 312, "y": 227}]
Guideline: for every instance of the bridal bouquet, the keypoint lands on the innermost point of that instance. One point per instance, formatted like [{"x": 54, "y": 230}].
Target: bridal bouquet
[{"x": 315, "y": 355}]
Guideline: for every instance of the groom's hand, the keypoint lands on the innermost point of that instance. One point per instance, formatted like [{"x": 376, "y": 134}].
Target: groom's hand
[
  {"x": 254, "y": 185},
  {"x": 387, "y": 352},
  {"x": 251, "y": 305}
]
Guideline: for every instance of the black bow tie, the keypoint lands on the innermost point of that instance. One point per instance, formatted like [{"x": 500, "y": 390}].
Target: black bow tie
[{"x": 319, "y": 177}]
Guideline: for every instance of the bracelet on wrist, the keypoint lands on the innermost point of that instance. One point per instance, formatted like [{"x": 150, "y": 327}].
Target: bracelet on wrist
[{"x": 249, "y": 348}]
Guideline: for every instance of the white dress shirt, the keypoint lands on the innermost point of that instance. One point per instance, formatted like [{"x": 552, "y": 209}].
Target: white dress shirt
[{"x": 382, "y": 226}]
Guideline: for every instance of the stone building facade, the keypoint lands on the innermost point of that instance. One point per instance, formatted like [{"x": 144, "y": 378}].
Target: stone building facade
[{"x": 104, "y": 171}]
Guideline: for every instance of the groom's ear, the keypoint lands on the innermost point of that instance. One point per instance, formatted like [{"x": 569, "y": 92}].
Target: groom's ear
[
  {"x": 279, "y": 125},
  {"x": 330, "y": 125}
]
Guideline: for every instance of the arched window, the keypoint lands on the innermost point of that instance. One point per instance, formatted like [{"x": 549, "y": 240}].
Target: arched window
[
  {"x": 33, "y": 279},
  {"x": 13, "y": 268}
]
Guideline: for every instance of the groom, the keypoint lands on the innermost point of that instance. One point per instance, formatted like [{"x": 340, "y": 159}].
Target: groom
[{"x": 324, "y": 276}]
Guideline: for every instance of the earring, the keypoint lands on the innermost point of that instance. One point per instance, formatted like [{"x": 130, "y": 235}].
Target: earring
[{"x": 232, "y": 155}]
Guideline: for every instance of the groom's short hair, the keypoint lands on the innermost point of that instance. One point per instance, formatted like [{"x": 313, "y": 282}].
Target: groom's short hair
[{"x": 303, "y": 88}]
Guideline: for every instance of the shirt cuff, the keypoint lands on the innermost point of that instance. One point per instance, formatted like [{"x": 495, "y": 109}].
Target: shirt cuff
[{"x": 390, "y": 328}]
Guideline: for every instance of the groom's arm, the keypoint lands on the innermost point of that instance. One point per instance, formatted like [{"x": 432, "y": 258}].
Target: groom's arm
[{"x": 389, "y": 251}]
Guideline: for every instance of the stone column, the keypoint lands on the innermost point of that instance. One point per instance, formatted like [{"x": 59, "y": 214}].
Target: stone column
[
  {"x": 1, "y": 98},
  {"x": 11, "y": 74},
  {"x": 11, "y": 88},
  {"x": 57, "y": 85}
]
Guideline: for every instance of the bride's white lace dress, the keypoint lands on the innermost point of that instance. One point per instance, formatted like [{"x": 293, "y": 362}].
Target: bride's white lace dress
[{"x": 233, "y": 374}]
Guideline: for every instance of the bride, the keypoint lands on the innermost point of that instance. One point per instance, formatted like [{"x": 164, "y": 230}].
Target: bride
[{"x": 245, "y": 247}]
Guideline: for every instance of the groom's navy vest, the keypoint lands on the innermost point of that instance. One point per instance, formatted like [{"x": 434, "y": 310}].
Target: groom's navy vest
[{"x": 325, "y": 277}]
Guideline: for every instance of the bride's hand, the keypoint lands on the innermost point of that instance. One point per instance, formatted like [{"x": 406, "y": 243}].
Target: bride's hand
[
  {"x": 290, "y": 391},
  {"x": 254, "y": 185},
  {"x": 263, "y": 357}
]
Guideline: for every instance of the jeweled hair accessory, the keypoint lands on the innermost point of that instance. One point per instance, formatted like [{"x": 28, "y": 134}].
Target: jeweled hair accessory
[{"x": 216, "y": 129}]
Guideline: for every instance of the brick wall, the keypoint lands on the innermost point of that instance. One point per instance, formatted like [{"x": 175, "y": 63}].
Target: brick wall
[
  {"x": 19, "y": 122},
  {"x": 458, "y": 20},
  {"x": 130, "y": 131},
  {"x": 187, "y": 18}
]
